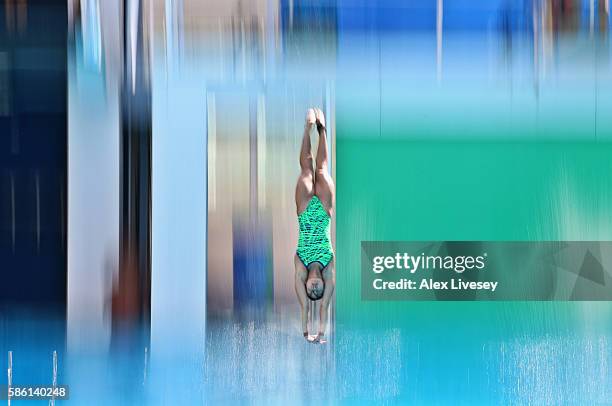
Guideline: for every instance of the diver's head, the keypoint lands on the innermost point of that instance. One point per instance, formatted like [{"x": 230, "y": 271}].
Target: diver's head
[{"x": 315, "y": 285}]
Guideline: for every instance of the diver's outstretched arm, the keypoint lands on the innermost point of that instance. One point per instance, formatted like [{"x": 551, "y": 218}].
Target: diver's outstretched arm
[
  {"x": 329, "y": 277},
  {"x": 300, "y": 289}
]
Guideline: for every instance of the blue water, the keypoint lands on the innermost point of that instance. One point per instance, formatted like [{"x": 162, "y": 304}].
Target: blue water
[{"x": 270, "y": 363}]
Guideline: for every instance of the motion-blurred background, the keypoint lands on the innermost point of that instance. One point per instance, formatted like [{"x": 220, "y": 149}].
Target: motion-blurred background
[{"x": 148, "y": 154}]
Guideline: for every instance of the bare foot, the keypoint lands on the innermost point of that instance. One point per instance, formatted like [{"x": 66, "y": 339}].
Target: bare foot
[
  {"x": 311, "y": 118},
  {"x": 320, "y": 117}
]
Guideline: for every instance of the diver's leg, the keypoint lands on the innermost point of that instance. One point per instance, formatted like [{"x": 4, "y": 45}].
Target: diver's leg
[
  {"x": 324, "y": 184},
  {"x": 306, "y": 148},
  {"x": 305, "y": 183},
  {"x": 322, "y": 150},
  {"x": 300, "y": 289},
  {"x": 329, "y": 276}
]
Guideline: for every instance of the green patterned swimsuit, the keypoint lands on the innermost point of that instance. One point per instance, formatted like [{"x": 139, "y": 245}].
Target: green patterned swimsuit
[{"x": 314, "y": 243}]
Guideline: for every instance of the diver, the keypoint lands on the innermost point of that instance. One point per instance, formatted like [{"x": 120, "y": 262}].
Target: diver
[{"x": 314, "y": 199}]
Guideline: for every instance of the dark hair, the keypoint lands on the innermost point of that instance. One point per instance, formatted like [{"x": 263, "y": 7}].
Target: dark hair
[{"x": 314, "y": 298}]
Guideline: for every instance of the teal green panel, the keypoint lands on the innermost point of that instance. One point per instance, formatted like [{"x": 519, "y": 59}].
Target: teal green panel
[{"x": 396, "y": 189}]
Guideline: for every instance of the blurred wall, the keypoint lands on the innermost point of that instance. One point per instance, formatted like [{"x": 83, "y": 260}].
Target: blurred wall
[
  {"x": 179, "y": 217},
  {"x": 33, "y": 122},
  {"x": 93, "y": 174}
]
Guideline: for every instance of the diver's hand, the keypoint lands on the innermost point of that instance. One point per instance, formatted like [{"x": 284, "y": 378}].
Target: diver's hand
[
  {"x": 311, "y": 118},
  {"x": 319, "y": 339}
]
